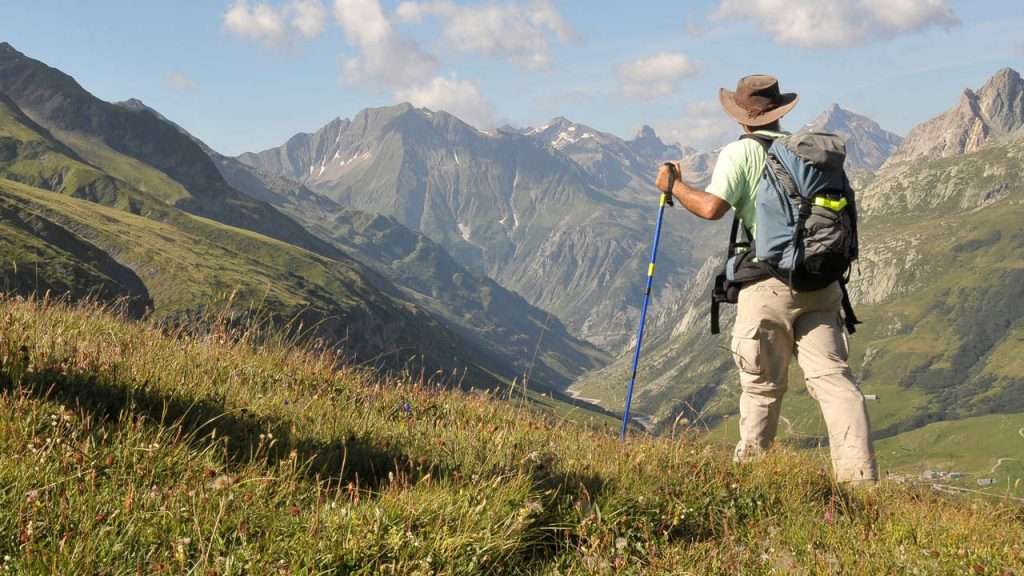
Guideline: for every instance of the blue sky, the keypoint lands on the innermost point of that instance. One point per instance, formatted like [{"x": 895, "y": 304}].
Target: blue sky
[{"x": 248, "y": 75}]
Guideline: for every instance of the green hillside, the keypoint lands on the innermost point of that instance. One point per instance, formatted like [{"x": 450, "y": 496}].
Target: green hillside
[
  {"x": 39, "y": 256},
  {"x": 125, "y": 450},
  {"x": 981, "y": 447},
  {"x": 206, "y": 268}
]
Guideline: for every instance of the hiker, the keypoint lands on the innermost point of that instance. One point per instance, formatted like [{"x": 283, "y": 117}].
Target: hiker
[{"x": 774, "y": 321}]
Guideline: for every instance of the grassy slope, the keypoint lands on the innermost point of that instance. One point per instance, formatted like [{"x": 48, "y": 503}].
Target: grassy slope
[
  {"x": 31, "y": 155},
  {"x": 125, "y": 450},
  {"x": 38, "y": 256}
]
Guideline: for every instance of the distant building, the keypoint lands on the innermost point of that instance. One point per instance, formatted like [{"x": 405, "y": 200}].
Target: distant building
[
  {"x": 955, "y": 475},
  {"x": 983, "y": 482}
]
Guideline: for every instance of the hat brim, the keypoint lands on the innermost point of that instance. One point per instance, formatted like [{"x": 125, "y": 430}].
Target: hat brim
[{"x": 747, "y": 118}]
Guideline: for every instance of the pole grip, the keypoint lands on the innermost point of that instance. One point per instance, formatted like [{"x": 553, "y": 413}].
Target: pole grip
[{"x": 672, "y": 177}]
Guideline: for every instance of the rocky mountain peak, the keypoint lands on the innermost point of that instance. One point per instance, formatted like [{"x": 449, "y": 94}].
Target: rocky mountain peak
[
  {"x": 835, "y": 113},
  {"x": 652, "y": 149},
  {"x": 646, "y": 133},
  {"x": 992, "y": 113},
  {"x": 868, "y": 145},
  {"x": 133, "y": 104},
  {"x": 1001, "y": 101},
  {"x": 1004, "y": 79}
]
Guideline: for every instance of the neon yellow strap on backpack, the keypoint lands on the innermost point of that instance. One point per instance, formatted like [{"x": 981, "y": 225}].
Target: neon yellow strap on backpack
[{"x": 833, "y": 205}]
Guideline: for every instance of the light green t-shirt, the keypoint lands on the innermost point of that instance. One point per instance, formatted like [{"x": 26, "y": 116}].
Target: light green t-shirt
[{"x": 736, "y": 176}]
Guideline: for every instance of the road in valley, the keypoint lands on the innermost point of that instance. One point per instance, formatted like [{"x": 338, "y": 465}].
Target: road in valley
[{"x": 1000, "y": 463}]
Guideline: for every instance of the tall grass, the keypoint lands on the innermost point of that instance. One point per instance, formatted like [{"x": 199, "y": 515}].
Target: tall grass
[{"x": 126, "y": 449}]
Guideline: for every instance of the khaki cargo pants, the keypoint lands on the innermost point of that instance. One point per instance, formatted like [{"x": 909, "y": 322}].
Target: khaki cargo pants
[{"x": 773, "y": 324}]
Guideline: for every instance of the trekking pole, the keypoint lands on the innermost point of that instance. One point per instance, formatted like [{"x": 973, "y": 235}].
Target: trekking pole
[{"x": 666, "y": 200}]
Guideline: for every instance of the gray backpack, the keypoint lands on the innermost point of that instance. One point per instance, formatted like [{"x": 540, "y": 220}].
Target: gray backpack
[{"x": 806, "y": 223}]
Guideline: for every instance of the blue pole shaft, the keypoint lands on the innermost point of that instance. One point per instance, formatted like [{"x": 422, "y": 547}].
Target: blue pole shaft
[{"x": 643, "y": 316}]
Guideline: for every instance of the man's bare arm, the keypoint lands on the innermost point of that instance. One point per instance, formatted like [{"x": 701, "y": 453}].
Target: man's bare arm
[{"x": 699, "y": 202}]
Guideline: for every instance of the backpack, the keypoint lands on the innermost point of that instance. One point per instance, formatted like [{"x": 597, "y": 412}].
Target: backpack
[{"x": 806, "y": 223}]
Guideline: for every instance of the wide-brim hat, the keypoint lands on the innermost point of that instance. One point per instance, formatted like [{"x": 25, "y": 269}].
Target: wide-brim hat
[{"x": 757, "y": 100}]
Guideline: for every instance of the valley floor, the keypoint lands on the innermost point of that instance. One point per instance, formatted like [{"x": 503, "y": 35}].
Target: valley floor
[{"x": 124, "y": 450}]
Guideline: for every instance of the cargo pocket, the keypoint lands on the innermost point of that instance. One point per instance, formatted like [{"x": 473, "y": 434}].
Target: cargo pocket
[{"x": 746, "y": 348}]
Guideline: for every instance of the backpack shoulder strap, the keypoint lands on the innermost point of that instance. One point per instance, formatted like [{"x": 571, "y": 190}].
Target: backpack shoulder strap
[
  {"x": 762, "y": 139},
  {"x": 849, "y": 317},
  {"x": 719, "y": 292}
]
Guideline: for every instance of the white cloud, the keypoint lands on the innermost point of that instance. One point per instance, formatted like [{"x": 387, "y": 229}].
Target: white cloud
[
  {"x": 519, "y": 32},
  {"x": 655, "y": 76},
  {"x": 309, "y": 17},
  {"x": 177, "y": 80},
  {"x": 261, "y": 22},
  {"x": 837, "y": 23},
  {"x": 273, "y": 26},
  {"x": 384, "y": 57},
  {"x": 703, "y": 125},
  {"x": 459, "y": 97}
]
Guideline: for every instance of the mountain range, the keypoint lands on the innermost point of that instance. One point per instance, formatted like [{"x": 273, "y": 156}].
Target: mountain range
[
  {"x": 114, "y": 201},
  {"x": 557, "y": 214}
]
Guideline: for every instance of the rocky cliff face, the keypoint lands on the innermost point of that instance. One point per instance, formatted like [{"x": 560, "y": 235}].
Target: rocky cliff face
[{"x": 993, "y": 113}]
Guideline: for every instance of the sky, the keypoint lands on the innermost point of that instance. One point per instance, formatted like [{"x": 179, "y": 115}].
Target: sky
[{"x": 245, "y": 75}]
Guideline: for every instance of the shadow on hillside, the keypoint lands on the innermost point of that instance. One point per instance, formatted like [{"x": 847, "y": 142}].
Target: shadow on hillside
[{"x": 242, "y": 435}]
